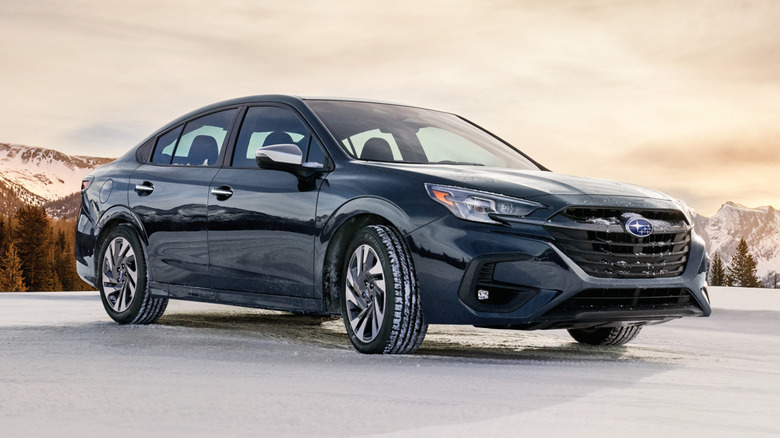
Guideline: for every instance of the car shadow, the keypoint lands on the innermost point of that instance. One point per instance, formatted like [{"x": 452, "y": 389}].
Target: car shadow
[{"x": 441, "y": 342}]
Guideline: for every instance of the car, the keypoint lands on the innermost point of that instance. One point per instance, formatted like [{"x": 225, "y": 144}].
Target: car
[{"x": 392, "y": 216}]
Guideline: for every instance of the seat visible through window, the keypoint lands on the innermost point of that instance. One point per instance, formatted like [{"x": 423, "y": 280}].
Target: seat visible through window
[
  {"x": 204, "y": 151},
  {"x": 278, "y": 137},
  {"x": 376, "y": 149}
]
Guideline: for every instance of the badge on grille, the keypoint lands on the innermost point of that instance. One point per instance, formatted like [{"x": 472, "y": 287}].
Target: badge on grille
[{"x": 639, "y": 227}]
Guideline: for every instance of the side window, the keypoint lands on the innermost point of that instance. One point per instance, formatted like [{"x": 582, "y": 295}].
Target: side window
[
  {"x": 316, "y": 153},
  {"x": 203, "y": 139},
  {"x": 166, "y": 143},
  {"x": 265, "y": 126}
]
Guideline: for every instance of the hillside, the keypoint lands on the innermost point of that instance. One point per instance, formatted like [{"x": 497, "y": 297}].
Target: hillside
[{"x": 39, "y": 176}]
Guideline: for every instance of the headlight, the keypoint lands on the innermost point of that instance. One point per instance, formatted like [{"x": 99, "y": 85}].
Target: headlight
[{"x": 476, "y": 206}]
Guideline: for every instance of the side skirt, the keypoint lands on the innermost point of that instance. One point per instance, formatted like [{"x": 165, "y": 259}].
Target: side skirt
[{"x": 235, "y": 298}]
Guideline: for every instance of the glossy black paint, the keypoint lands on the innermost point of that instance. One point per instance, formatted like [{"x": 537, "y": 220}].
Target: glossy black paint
[
  {"x": 175, "y": 217},
  {"x": 270, "y": 241},
  {"x": 261, "y": 237}
]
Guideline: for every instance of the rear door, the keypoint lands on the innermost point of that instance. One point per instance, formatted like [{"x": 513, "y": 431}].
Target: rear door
[
  {"x": 261, "y": 222},
  {"x": 170, "y": 194}
]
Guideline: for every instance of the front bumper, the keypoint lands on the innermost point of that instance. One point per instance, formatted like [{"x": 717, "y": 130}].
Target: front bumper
[{"x": 533, "y": 284}]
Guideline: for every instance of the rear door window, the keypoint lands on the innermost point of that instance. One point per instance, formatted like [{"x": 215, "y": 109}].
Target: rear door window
[
  {"x": 166, "y": 143},
  {"x": 198, "y": 143}
]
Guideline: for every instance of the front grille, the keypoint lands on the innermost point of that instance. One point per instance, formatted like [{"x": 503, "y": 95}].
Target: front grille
[
  {"x": 596, "y": 240},
  {"x": 585, "y": 214},
  {"x": 620, "y": 299}
]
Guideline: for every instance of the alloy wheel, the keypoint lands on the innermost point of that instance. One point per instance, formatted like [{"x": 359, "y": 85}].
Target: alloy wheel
[
  {"x": 120, "y": 274},
  {"x": 365, "y": 293}
]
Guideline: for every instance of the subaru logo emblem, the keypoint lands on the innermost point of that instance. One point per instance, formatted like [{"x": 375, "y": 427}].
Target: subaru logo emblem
[{"x": 639, "y": 227}]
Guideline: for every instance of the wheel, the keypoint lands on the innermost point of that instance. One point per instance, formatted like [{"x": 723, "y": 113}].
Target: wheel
[
  {"x": 605, "y": 335},
  {"x": 123, "y": 280},
  {"x": 380, "y": 301}
]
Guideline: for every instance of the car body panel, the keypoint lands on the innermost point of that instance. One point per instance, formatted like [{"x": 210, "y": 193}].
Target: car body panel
[
  {"x": 175, "y": 218},
  {"x": 261, "y": 238}
]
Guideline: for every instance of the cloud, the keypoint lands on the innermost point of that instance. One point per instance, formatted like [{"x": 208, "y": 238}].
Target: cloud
[
  {"x": 632, "y": 90},
  {"x": 751, "y": 151}
]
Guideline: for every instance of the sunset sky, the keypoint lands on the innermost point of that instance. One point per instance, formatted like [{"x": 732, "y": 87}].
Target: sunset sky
[{"x": 682, "y": 96}]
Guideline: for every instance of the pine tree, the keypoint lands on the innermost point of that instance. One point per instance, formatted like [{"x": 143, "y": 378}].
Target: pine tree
[
  {"x": 11, "y": 272},
  {"x": 717, "y": 272},
  {"x": 63, "y": 261},
  {"x": 33, "y": 242},
  {"x": 742, "y": 269},
  {"x": 3, "y": 240}
]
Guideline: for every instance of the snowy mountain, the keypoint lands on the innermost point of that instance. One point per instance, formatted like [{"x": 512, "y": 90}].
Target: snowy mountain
[
  {"x": 760, "y": 227},
  {"x": 41, "y": 176}
]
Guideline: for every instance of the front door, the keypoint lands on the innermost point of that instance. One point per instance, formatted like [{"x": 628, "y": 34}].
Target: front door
[{"x": 261, "y": 222}]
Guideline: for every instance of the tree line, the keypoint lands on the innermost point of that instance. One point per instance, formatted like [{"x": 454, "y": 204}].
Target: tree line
[
  {"x": 740, "y": 272},
  {"x": 36, "y": 252}
]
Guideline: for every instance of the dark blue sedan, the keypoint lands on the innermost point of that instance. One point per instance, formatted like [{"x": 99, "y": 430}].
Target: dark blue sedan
[{"x": 393, "y": 216}]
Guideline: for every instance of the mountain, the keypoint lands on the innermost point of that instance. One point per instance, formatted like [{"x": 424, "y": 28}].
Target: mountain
[
  {"x": 39, "y": 176},
  {"x": 760, "y": 227}
]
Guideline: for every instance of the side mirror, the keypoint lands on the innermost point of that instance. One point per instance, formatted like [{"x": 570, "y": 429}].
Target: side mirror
[
  {"x": 279, "y": 156},
  {"x": 289, "y": 158}
]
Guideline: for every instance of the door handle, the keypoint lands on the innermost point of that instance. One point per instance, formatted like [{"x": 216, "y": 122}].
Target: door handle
[
  {"x": 144, "y": 188},
  {"x": 222, "y": 192}
]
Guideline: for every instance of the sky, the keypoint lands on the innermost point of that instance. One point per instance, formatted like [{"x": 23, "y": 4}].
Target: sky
[{"x": 682, "y": 96}]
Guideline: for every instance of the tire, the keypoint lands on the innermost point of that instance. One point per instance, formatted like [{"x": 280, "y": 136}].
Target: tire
[
  {"x": 606, "y": 335},
  {"x": 380, "y": 300},
  {"x": 122, "y": 279}
]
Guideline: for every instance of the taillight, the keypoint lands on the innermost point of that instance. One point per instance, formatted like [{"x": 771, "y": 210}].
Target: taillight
[{"x": 85, "y": 183}]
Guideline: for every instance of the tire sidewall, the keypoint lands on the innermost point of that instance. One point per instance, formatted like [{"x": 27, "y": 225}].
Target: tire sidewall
[
  {"x": 368, "y": 236},
  {"x": 133, "y": 310}
]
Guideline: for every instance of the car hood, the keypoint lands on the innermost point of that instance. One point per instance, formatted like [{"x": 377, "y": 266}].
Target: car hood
[{"x": 525, "y": 184}]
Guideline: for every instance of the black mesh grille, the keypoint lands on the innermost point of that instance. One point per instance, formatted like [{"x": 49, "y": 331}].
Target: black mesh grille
[
  {"x": 504, "y": 296},
  {"x": 617, "y": 299},
  {"x": 596, "y": 240}
]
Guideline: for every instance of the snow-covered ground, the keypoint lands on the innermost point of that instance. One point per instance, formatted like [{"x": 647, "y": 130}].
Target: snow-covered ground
[{"x": 66, "y": 370}]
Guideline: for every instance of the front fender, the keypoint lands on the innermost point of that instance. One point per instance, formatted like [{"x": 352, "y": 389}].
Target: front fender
[{"x": 366, "y": 205}]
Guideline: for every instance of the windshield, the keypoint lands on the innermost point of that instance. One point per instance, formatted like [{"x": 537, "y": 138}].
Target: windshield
[{"x": 394, "y": 133}]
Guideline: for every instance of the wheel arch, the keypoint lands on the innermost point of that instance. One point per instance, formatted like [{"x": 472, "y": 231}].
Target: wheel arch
[
  {"x": 112, "y": 218},
  {"x": 339, "y": 231}
]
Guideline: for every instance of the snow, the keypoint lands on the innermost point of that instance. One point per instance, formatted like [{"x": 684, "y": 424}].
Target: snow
[
  {"x": 37, "y": 173},
  {"x": 66, "y": 370},
  {"x": 760, "y": 227},
  {"x": 659, "y": 225}
]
